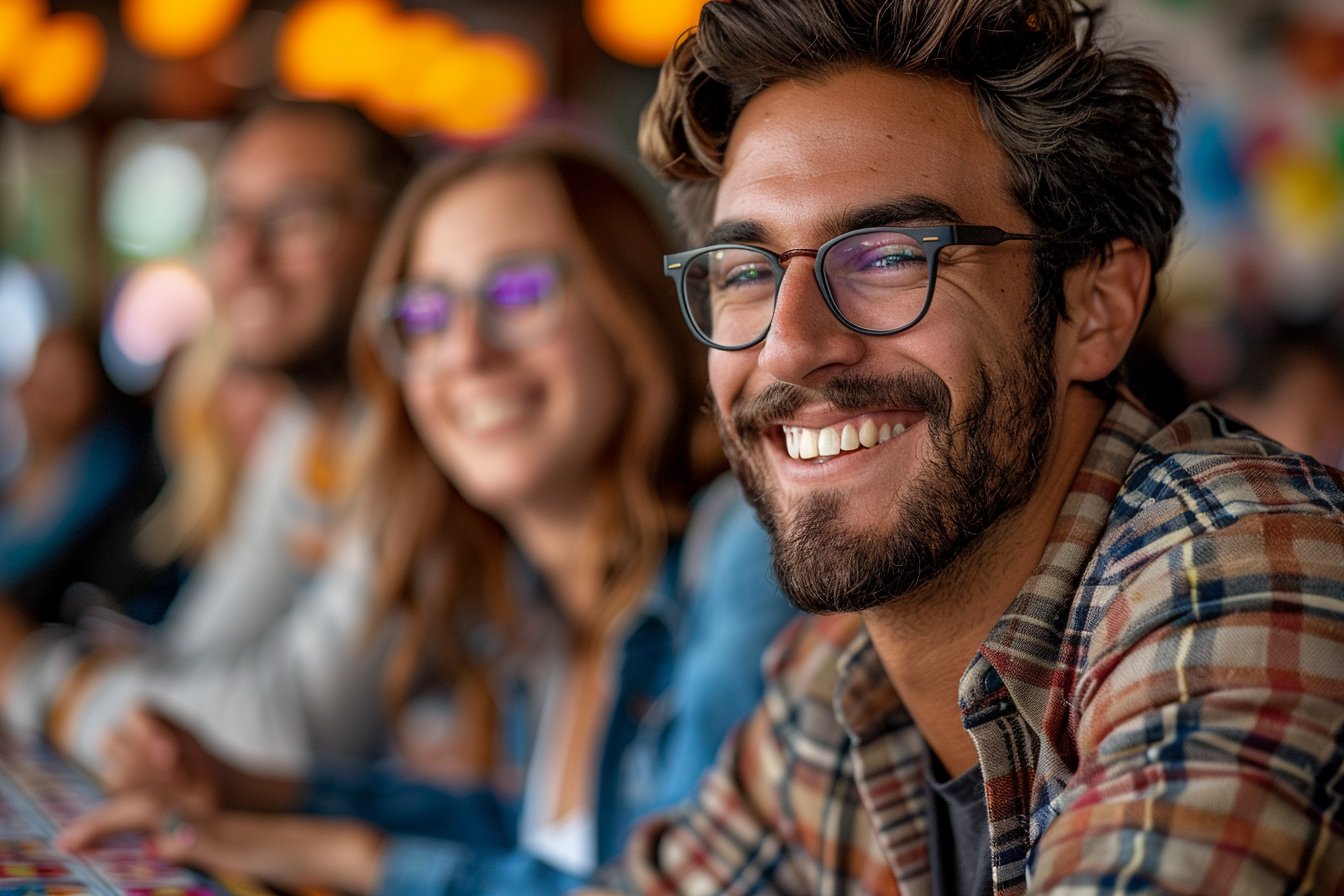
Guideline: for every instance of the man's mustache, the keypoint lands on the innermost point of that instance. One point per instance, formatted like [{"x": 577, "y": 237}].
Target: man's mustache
[{"x": 916, "y": 391}]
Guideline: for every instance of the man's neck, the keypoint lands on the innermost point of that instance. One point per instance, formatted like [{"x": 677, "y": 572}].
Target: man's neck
[
  {"x": 927, "y": 640},
  {"x": 329, "y": 398}
]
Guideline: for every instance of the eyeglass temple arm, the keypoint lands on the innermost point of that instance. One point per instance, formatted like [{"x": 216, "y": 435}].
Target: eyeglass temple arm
[{"x": 977, "y": 235}]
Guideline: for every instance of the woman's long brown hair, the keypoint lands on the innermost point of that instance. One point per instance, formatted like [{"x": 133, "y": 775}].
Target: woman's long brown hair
[{"x": 441, "y": 562}]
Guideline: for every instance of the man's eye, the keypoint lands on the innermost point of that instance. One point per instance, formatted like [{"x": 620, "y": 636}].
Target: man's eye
[
  {"x": 894, "y": 255},
  {"x": 745, "y": 275}
]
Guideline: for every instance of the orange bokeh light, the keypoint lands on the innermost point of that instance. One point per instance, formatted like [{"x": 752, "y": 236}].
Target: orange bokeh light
[
  {"x": 486, "y": 85},
  {"x": 415, "y": 40},
  {"x": 330, "y": 48},
  {"x": 18, "y": 20},
  {"x": 178, "y": 29},
  {"x": 410, "y": 70},
  {"x": 60, "y": 68},
  {"x": 641, "y": 32}
]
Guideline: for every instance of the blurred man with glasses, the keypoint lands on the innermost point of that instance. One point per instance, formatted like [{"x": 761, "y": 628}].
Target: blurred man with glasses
[
  {"x": 1065, "y": 646},
  {"x": 300, "y": 193},
  {"x": 260, "y": 653}
]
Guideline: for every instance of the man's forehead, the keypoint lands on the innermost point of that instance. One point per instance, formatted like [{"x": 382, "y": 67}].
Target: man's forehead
[
  {"x": 859, "y": 115},
  {"x": 854, "y": 139},
  {"x": 274, "y": 152}
]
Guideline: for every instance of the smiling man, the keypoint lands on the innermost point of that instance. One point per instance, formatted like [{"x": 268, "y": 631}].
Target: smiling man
[{"x": 1067, "y": 646}]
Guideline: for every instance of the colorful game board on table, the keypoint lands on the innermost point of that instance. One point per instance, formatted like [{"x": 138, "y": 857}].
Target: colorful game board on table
[{"x": 40, "y": 792}]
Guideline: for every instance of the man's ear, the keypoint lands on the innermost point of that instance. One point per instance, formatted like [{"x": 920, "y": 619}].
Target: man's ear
[{"x": 1105, "y": 299}]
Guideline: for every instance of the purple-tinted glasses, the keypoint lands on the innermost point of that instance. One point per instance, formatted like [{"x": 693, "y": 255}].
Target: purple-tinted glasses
[{"x": 516, "y": 305}]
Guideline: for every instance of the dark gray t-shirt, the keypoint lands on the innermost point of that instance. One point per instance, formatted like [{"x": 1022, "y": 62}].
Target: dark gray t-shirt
[{"x": 958, "y": 831}]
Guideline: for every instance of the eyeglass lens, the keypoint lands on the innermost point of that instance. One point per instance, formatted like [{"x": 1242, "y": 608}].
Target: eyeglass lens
[
  {"x": 877, "y": 280},
  {"x": 516, "y": 304},
  {"x": 297, "y": 225}
]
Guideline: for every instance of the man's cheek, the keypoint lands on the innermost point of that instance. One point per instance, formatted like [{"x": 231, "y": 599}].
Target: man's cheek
[{"x": 724, "y": 380}]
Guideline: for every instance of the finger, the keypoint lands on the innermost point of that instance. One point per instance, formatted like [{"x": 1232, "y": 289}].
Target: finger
[
  {"x": 135, "y": 757},
  {"x": 155, "y": 724},
  {"x": 279, "y": 849},
  {"x": 216, "y": 842},
  {"x": 123, "y": 764},
  {"x": 115, "y": 773},
  {"x": 134, "y": 813},
  {"x": 181, "y": 842},
  {"x": 161, "y": 740},
  {"x": 150, "y": 751}
]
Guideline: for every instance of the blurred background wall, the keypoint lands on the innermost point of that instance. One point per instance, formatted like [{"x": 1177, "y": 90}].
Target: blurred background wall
[
  {"x": 1262, "y": 165},
  {"x": 112, "y": 111}
]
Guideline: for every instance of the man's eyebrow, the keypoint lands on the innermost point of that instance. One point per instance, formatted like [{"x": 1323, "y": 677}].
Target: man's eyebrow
[
  {"x": 744, "y": 231},
  {"x": 909, "y": 211},
  {"x": 302, "y": 188}
]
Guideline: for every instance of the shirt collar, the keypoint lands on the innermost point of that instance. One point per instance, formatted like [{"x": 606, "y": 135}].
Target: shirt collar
[
  {"x": 1041, "y": 611},
  {"x": 866, "y": 701}
]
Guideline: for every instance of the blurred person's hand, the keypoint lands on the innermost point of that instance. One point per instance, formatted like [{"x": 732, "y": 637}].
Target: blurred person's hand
[
  {"x": 151, "y": 755},
  {"x": 149, "y": 752},
  {"x": 283, "y": 850}
]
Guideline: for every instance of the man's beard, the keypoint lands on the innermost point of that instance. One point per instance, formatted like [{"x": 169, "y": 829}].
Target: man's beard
[
  {"x": 321, "y": 364},
  {"x": 976, "y": 472}
]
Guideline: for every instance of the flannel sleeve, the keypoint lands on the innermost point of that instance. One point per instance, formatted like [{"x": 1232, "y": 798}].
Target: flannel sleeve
[
  {"x": 755, "y": 819},
  {"x": 726, "y": 840},
  {"x": 1211, "y": 727}
]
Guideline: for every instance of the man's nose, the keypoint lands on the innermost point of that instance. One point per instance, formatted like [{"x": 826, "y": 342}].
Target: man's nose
[
  {"x": 805, "y": 339},
  {"x": 246, "y": 241}
]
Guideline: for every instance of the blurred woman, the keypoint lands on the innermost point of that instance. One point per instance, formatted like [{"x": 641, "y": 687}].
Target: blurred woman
[{"x": 537, "y": 449}]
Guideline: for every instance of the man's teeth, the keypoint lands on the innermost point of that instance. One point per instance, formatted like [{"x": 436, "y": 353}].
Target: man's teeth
[{"x": 806, "y": 444}]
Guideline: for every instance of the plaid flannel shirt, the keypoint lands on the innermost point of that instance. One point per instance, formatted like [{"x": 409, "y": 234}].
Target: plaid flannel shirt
[{"x": 1160, "y": 709}]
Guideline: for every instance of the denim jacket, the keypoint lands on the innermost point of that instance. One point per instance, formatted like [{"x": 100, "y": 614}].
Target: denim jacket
[{"x": 689, "y": 670}]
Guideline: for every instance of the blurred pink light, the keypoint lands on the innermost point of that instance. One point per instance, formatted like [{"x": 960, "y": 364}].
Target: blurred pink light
[{"x": 161, "y": 306}]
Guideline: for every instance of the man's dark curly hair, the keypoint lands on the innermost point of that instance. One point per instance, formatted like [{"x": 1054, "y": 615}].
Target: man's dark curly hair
[{"x": 1088, "y": 132}]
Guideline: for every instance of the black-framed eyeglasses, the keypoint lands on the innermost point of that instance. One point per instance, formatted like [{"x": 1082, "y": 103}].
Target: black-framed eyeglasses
[
  {"x": 876, "y": 280},
  {"x": 299, "y": 224},
  {"x": 517, "y": 304}
]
